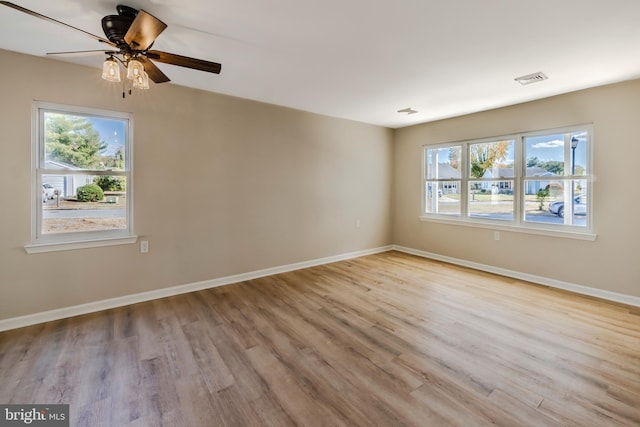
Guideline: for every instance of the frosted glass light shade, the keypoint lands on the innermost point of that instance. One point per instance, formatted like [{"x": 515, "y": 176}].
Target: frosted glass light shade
[
  {"x": 141, "y": 81},
  {"x": 110, "y": 70},
  {"x": 134, "y": 69}
]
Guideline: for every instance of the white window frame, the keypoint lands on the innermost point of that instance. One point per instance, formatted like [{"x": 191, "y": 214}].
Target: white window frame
[
  {"x": 467, "y": 179},
  {"x": 446, "y": 181},
  {"x": 83, "y": 239},
  {"x": 518, "y": 223}
]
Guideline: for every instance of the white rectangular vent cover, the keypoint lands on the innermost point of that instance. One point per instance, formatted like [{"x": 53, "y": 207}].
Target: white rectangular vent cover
[{"x": 532, "y": 78}]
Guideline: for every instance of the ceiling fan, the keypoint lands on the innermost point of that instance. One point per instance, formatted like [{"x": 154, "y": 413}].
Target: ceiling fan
[{"x": 130, "y": 35}]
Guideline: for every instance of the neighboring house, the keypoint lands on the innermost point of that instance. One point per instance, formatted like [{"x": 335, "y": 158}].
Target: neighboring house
[
  {"x": 532, "y": 186},
  {"x": 65, "y": 184},
  {"x": 446, "y": 171}
]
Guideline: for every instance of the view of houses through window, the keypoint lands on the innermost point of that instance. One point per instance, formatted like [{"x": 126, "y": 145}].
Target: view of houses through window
[
  {"x": 524, "y": 180},
  {"x": 82, "y": 172}
]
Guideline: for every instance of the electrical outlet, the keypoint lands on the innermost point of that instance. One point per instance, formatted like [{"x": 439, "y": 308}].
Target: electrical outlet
[
  {"x": 144, "y": 246},
  {"x": 496, "y": 235},
  {"x": 357, "y": 223}
]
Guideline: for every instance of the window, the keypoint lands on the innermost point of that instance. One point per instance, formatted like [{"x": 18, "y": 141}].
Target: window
[
  {"x": 82, "y": 170},
  {"x": 521, "y": 182},
  {"x": 491, "y": 180},
  {"x": 444, "y": 180}
]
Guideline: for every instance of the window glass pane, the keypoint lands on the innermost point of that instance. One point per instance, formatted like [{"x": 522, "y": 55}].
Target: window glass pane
[
  {"x": 490, "y": 160},
  {"x": 579, "y": 148},
  {"x": 443, "y": 197},
  {"x": 491, "y": 199},
  {"x": 578, "y": 193},
  {"x": 444, "y": 163},
  {"x": 68, "y": 205},
  {"x": 78, "y": 142},
  {"x": 546, "y": 154},
  {"x": 580, "y": 203},
  {"x": 548, "y": 205},
  {"x": 539, "y": 195}
]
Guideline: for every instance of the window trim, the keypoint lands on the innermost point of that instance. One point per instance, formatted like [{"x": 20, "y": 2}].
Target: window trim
[
  {"x": 83, "y": 239},
  {"x": 518, "y": 223}
]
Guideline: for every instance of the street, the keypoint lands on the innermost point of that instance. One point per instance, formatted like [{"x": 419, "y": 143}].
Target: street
[{"x": 83, "y": 213}]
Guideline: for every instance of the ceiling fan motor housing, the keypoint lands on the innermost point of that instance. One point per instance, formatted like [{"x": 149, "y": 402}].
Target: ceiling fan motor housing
[
  {"x": 126, "y": 11},
  {"x": 116, "y": 26}
]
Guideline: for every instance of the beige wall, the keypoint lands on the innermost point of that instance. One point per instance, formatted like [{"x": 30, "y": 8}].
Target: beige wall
[
  {"x": 612, "y": 262},
  {"x": 223, "y": 186}
]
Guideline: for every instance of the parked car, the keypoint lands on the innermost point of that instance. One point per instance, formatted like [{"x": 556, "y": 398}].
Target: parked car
[
  {"x": 48, "y": 192},
  {"x": 579, "y": 206}
]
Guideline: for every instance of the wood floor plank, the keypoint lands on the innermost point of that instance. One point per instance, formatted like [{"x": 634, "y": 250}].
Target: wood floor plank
[
  {"x": 210, "y": 364},
  {"x": 388, "y": 339}
]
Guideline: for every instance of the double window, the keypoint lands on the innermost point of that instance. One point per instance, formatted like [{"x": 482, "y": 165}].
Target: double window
[
  {"x": 532, "y": 181},
  {"x": 82, "y": 178}
]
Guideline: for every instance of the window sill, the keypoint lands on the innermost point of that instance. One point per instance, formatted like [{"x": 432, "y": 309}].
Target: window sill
[
  {"x": 567, "y": 234},
  {"x": 37, "y": 248}
]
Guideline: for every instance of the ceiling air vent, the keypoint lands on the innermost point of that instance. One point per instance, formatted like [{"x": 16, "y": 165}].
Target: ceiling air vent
[
  {"x": 531, "y": 78},
  {"x": 408, "y": 110}
]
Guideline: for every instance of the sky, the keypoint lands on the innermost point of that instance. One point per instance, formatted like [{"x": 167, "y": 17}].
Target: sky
[
  {"x": 551, "y": 147},
  {"x": 112, "y": 132},
  {"x": 546, "y": 148}
]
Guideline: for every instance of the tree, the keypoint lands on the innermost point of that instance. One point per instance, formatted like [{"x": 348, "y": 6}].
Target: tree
[
  {"x": 112, "y": 183},
  {"x": 487, "y": 155},
  {"x": 72, "y": 140},
  {"x": 542, "y": 195},
  {"x": 554, "y": 166},
  {"x": 534, "y": 162},
  {"x": 454, "y": 156},
  {"x": 115, "y": 161}
]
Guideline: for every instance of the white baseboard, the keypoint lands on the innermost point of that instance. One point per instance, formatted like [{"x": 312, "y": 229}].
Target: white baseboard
[
  {"x": 76, "y": 310},
  {"x": 61, "y": 313},
  {"x": 579, "y": 289}
]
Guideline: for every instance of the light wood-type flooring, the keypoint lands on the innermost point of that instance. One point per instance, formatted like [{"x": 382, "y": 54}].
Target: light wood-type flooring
[{"x": 383, "y": 340}]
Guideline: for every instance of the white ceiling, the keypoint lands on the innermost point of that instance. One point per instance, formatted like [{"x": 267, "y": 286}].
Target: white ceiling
[{"x": 365, "y": 59}]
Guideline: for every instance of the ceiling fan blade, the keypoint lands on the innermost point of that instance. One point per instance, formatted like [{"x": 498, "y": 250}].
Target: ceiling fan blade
[
  {"x": 143, "y": 31},
  {"x": 184, "y": 61},
  {"x": 153, "y": 72},
  {"x": 55, "y": 21},
  {"x": 84, "y": 53}
]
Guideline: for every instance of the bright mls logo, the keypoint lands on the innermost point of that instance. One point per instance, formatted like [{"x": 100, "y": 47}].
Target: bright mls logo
[{"x": 34, "y": 415}]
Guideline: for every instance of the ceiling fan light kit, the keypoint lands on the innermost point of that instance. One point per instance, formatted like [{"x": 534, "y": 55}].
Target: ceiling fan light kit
[
  {"x": 134, "y": 69},
  {"x": 141, "y": 81},
  {"x": 111, "y": 70},
  {"x": 136, "y": 74},
  {"x": 131, "y": 34}
]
